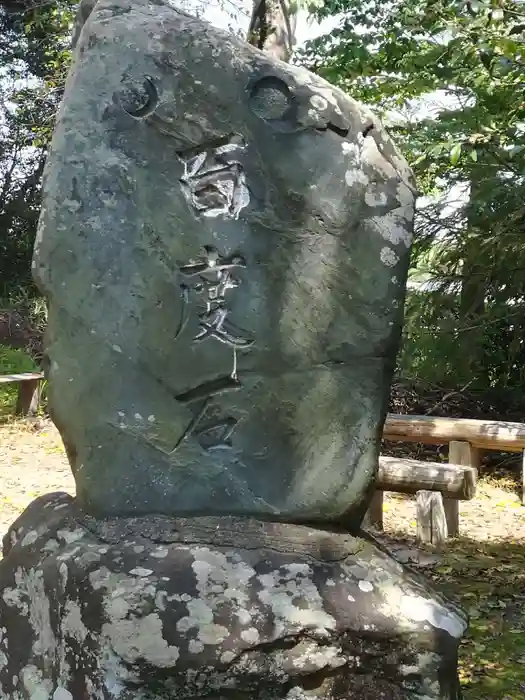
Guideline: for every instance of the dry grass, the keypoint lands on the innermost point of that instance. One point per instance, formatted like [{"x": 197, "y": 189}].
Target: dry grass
[{"x": 484, "y": 570}]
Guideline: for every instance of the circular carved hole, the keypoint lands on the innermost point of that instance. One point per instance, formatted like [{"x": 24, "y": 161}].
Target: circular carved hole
[
  {"x": 270, "y": 98},
  {"x": 139, "y": 98}
]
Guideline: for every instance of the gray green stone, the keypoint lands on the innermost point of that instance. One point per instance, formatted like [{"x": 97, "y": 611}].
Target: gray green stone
[
  {"x": 213, "y": 608},
  {"x": 224, "y": 245}
]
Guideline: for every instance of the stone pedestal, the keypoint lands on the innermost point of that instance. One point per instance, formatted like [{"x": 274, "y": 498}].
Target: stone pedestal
[{"x": 150, "y": 608}]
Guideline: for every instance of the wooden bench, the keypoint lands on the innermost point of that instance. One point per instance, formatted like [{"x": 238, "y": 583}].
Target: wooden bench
[
  {"x": 435, "y": 485},
  {"x": 29, "y": 388},
  {"x": 466, "y": 438},
  {"x": 439, "y": 487}
]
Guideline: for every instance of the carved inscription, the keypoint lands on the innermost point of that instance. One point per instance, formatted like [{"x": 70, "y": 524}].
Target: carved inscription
[
  {"x": 214, "y": 182},
  {"x": 211, "y": 277},
  {"x": 217, "y": 435}
]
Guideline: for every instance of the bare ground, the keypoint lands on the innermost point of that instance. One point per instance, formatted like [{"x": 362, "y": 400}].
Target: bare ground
[{"x": 32, "y": 462}]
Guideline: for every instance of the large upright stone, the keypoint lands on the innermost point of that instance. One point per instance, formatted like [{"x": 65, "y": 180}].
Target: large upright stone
[{"x": 224, "y": 245}]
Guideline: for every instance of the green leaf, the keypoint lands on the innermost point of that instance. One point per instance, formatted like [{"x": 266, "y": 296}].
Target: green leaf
[
  {"x": 455, "y": 153},
  {"x": 474, "y": 155},
  {"x": 437, "y": 150}
]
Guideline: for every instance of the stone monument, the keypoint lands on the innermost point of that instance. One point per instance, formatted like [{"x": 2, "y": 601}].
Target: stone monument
[{"x": 224, "y": 243}]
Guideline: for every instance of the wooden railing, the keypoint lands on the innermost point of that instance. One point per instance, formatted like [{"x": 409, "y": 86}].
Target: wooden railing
[
  {"x": 439, "y": 487},
  {"x": 501, "y": 436}
]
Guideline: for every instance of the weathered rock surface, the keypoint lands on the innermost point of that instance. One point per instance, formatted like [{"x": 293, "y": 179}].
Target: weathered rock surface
[
  {"x": 230, "y": 608},
  {"x": 224, "y": 244}
]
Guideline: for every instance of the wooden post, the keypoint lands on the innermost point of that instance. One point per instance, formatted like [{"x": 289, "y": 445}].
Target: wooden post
[
  {"x": 463, "y": 453},
  {"x": 523, "y": 478},
  {"x": 430, "y": 518},
  {"x": 374, "y": 514},
  {"x": 28, "y": 399}
]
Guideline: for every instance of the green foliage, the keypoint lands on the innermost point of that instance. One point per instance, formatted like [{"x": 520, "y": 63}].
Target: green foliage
[
  {"x": 31, "y": 307},
  {"x": 402, "y": 58},
  {"x": 12, "y": 361},
  {"x": 34, "y": 58}
]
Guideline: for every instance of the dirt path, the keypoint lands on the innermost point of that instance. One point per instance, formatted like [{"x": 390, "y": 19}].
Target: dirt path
[{"x": 32, "y": 462}]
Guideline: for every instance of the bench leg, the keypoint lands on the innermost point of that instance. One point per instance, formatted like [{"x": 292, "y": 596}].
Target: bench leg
[
  {"x": 459, "y": 452},
  {"x": 451, "y": 508},
  {"x": 28, "y": 399},
  {"x": 522, "y": 490},
  {"x": 431, "y": 519}
]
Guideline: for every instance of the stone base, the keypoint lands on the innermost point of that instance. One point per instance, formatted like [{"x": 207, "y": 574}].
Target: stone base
[{"x": 225, "y": 608}]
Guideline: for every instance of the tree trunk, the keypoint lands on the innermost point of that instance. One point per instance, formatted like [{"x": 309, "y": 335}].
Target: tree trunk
[
  {"x": 272, "y": 27},
  {"x": 472, "y": 308},
  {"x": 473, "y": 288}
]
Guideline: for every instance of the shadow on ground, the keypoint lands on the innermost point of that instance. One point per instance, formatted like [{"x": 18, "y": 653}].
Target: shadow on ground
[{"x": 488, "y": 580}]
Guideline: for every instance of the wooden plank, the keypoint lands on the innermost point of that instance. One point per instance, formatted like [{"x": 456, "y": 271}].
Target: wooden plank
[
  {"x": 28, "y": 399},
  {"x": 23, "y": 377},
  {"x": 430, "y": 517},
  {"x": 410, "y": 476},
  {"x": 459, "y": 452},
  {"x": 374, "y": 514},
  {"x": 487, "y": 435}
]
